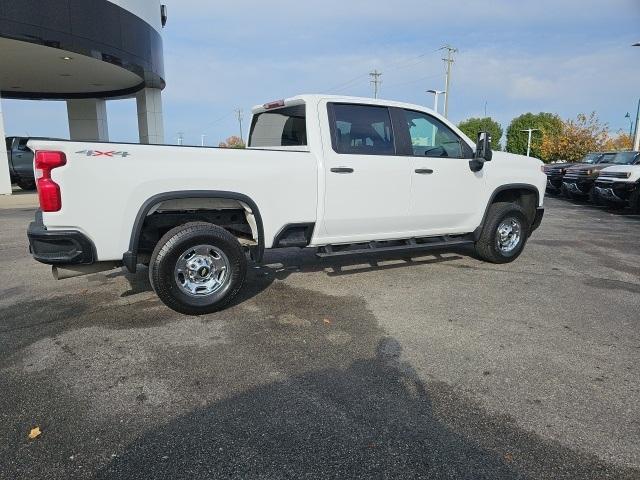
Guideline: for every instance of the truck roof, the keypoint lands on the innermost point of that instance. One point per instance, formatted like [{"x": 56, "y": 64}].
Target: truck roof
[{"x": 315, "y": 98}]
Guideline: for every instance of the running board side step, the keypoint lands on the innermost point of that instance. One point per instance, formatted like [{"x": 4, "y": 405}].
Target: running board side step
[{"x": 410, "y": 245}]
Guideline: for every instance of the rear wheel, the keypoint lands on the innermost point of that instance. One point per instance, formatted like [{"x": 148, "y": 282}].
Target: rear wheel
[
  {"x": 197, "y": 268},
  {"x": 504, "y": 234}
]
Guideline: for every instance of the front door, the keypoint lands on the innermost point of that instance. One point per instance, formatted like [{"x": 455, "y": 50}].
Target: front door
[{"x": 446, "y": 195}]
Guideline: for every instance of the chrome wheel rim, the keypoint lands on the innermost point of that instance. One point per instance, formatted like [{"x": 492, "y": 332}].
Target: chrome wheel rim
[
  {"x": 509, "y": 235},
  {"x": 201, "y": 271}
]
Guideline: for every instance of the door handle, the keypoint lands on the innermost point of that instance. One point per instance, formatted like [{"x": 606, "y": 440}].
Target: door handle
[
  {"x": 342, "y": 170},
  {"x": 424, "y": 171}
]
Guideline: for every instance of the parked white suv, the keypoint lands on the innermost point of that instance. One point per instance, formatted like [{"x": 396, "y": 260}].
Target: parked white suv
[{"x": 343, "y": 175}]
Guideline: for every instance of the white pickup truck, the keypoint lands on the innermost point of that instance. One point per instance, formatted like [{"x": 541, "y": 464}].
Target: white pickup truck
[
  {"x": 618, "y": 186},
  {"x": 340, "y": 174}
]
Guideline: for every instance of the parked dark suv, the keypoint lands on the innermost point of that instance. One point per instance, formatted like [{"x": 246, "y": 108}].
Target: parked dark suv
[
  {"x": 555, "y": 171},
  {"x": 578, "y": 180}
]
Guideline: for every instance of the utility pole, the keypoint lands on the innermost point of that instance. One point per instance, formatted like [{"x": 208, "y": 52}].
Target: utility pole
[
  {"x": 180, "y": 138},
  {"x": 636, "y": 139},
  {"x": 636, "y": 135},
  {"x": 628, "y": 115},
  {"x": 239, "y": 112},
  {"x": 448, "y": 61},
  {"x": 376, "y": 82},
  {"x": 530, "y": 131}
]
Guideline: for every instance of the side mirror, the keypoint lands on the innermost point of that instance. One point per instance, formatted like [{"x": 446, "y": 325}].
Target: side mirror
[
  {"x": 483, "y": 147},
  {"x": 483, "y": 152}
]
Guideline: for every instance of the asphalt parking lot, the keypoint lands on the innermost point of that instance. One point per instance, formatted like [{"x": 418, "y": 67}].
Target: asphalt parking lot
[{"x": 437, "y": 367}]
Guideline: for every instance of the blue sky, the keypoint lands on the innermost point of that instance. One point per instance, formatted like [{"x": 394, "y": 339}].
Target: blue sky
[{"x": 561, "y": 56}]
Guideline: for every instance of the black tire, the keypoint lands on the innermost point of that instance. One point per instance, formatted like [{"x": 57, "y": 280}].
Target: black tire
[
  {"x": 487, "y": 247},
  {"x": 170, "y": 250},
  {"x": 634, "y": 201},
  {"x": 27, "y": 185},
  {"x": 565, "y": 191}
]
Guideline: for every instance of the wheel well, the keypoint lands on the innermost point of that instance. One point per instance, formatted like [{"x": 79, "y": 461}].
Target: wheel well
[
  {"x": 525, "y": 197},
  {"x": 233, "y": 215}
]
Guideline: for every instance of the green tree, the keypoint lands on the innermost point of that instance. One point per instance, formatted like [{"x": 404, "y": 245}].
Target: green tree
[
  {"x": 472, "y": 126},
  {"x": 547, "y": 123}
]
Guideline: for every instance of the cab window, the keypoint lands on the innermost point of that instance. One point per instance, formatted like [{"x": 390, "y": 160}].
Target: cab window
[
  {"x": 432, "y": 138},
  {"x": 361, "y": 129}
]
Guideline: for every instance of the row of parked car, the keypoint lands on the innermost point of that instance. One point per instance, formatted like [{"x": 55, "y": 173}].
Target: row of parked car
[{"x": 604, "y": 178}]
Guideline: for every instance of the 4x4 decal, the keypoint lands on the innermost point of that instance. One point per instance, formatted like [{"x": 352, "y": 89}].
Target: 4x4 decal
[{"x": 98, "y": 153}]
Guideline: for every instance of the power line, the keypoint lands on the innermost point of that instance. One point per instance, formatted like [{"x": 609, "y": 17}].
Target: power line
[
  {"x": 342, "y": 86},
  {"x": 415, "y": 80},
  {"x": 376, "y": 82},
  {"x": 399, "y": 65}
]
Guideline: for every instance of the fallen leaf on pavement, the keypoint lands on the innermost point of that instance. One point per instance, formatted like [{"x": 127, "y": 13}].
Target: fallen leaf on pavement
[{"x": 34, "y": 433}]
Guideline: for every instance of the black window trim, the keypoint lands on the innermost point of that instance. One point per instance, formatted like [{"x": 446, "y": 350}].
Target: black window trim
[
  {"x": 397, "y": 116},
  {"x": 333, "y": 127}
]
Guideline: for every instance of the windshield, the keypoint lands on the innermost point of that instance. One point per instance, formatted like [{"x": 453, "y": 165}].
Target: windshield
[
  {"x": 607, "y": 158},
  {"x": 591, "y": 158},
  {"x": 284, "y": 127},
  {"x": 624, "y": 158}
]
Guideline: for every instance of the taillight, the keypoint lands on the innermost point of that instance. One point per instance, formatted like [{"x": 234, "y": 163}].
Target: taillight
[{"x": 48, "y": 190}]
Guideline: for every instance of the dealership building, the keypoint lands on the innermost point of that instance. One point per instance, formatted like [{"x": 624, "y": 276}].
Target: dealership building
[{"x": 84, "y": 53}]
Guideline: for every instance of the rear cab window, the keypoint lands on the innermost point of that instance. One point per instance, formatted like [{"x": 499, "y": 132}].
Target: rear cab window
[{"x": 282, "y": 127}]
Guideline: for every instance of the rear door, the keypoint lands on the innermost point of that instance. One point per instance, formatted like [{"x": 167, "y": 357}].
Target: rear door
[
  {"x": 366, "y": 180},
  {"x": 446, "y": 195}
]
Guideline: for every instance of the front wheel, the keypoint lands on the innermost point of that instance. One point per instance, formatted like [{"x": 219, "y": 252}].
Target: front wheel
[
  {"x": 504, "y": 234},
  {"x": 197, "y": 268}
]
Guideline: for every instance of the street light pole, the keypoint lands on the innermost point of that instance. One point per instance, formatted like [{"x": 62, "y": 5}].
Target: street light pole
[
  {"x": 436, "y": 97},
  {"x": 636, "y": 129},
  {"x": 636, "y": 140},
  {"x": 530, "y": 131}
]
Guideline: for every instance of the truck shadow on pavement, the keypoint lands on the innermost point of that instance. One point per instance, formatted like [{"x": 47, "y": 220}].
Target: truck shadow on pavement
[{"x": 373, "y": 419}]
